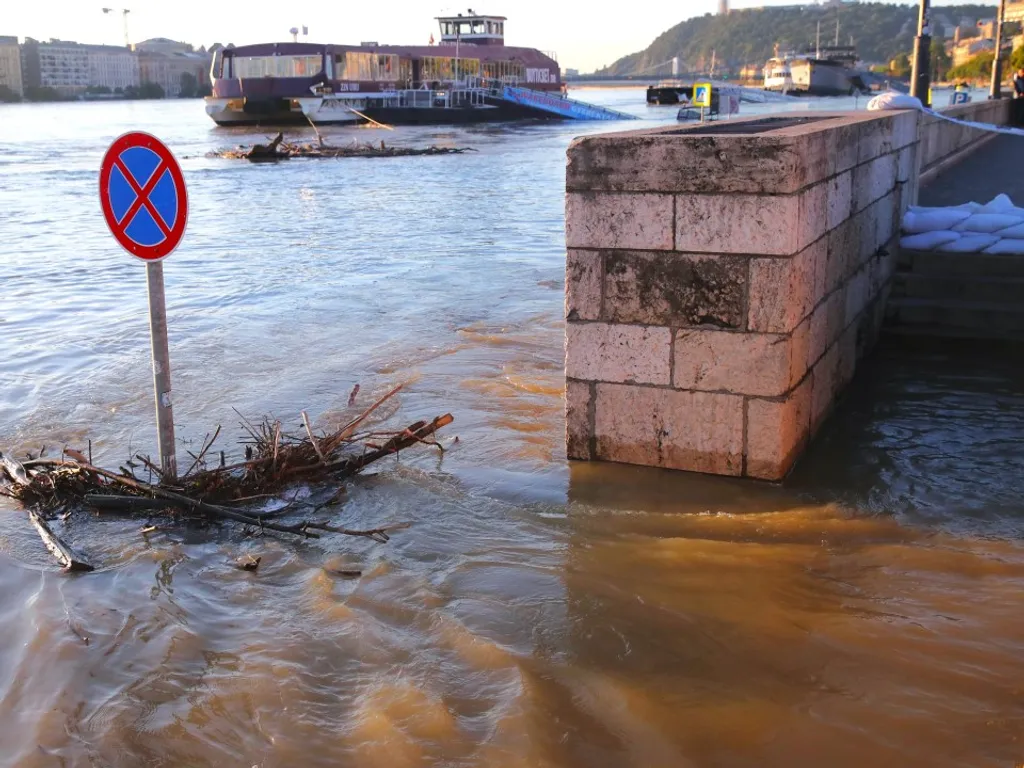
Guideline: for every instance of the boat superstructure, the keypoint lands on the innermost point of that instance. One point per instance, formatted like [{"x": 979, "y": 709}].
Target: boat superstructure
[
  {"x": 777, "y": 73},
  {"x": 824, "y": 71},
  {"x": 470, "y": 76}
]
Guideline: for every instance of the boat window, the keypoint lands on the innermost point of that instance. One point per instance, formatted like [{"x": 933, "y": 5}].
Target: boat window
[
  {"x": 437, "y": 68},
  {"x": 277, "y": 66},
  {"x": 506, "y": 71},
  {"x": 356, "y": 65}
]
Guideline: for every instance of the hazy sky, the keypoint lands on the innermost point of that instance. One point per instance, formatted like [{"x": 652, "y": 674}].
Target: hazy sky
[{"x": 583, "y": 36}]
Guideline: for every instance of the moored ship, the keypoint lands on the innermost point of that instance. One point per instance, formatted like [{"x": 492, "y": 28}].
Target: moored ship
[
  {"x": 827, "y": 71},
  {"x": 471, "y": 76}
]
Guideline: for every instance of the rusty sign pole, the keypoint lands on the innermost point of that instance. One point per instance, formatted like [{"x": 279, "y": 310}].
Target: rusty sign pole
[{"x": 161, "y": 369}]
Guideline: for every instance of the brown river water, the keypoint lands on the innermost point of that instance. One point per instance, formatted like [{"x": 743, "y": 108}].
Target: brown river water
[{"x": 537, "y": 613}]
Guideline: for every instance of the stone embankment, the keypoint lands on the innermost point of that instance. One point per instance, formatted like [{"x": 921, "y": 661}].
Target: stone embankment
[{"x": 723, "y": 281}]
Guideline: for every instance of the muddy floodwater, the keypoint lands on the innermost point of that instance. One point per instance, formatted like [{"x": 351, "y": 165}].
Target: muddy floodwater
[{"x": 868, "y": 612}]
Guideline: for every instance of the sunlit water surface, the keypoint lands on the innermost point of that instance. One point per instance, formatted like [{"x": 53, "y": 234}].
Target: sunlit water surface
[{"x": 867, "y": 612}]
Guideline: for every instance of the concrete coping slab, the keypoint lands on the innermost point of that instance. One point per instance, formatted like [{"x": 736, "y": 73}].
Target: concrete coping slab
[{"x": 771, "y": 154}]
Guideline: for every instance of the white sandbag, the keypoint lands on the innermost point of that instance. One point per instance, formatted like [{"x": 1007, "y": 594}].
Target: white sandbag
[
  {"x": 928, "y": 241},
  {"x": 1016, "y": 232},
  {"x": 972, "y": 207},
  {"x": 1010, "y": 246},
  {"x": 969, "y": 243},
  {"x": 987, "y": 222},
  {"x": 894, "y": 100},
  {"x": 998, "y": 204},
  {"x": 933, "y": 219}
]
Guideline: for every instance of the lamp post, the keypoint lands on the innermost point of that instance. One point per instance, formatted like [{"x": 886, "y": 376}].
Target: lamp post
[
  {"x": 124, "y": 16},
  {"x": 995, "y": 92},
  {"x": 920, "y": 79}
]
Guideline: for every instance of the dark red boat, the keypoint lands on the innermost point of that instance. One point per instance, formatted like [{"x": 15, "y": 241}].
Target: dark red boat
[{"x": 471, "y": 76}]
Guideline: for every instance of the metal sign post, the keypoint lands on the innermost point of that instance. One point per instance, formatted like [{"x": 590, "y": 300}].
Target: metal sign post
[
  {"x": 996, "y": 89},
  {"x": 145, "y": 204},
  {"x": 920, "y": 76},
  {"x": 161, "y": 369}
]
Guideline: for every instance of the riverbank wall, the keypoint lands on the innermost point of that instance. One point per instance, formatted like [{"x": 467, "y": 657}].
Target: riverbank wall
[{"x": 723, "y": 281}]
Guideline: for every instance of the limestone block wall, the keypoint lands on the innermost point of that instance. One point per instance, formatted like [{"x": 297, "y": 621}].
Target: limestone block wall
[
  {"x": 943, "y": 142},
  {"x": 722, "y": 282}
]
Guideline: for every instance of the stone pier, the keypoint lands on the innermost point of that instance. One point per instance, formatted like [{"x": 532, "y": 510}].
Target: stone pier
[{"x": 723, "y": 281}]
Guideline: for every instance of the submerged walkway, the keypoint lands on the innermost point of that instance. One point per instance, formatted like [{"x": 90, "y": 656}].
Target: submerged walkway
[{"x": 994, "y": 168}]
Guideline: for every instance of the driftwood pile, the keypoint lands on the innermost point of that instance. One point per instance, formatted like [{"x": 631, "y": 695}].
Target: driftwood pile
[
  {"x": 279, "y": 149},
  {"x": 275, "y": 460}
]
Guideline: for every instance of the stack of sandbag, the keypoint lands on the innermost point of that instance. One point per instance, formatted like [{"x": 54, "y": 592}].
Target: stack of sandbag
[{"x": 997, "y": 227}]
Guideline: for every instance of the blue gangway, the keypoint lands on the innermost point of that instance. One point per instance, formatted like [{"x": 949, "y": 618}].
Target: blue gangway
[{"x": 552, "y": 104}]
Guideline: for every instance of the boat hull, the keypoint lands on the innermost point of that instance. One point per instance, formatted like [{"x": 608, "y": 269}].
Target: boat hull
[
  {"x": 283, "y": 112},
  {"x": 319, "y": 111}
]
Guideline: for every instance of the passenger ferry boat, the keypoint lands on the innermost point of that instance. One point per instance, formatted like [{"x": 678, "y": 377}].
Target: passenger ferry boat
[
  {"x": 471, "y": 76},
  {"x": 777, "y": 73}
]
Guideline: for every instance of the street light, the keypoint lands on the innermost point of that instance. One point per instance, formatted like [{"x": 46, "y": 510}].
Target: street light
[
  {"x": 124, "y": 15},
  {"x": 920, "y": 79},
  {"x": 995, "y": 92}
]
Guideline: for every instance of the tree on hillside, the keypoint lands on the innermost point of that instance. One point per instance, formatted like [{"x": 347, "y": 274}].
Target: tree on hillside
[
  {"x": 1017, "y": 59},
  {"x": 941, "y": 62},
  {"x": 901, "y": 66},
  {"x": 748, "y": 36},
  {"x": 978, "y": 68}
]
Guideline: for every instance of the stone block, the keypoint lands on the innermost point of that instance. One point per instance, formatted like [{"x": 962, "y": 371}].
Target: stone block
[
  {"x": 823, "y": 387},
  {"x": 762, "y": 224},
  {"x": 886, "y": 221},
  {"x": 578, "y": 414},
  {"x": 781, "y": 290},
  {"x": 843, "y": 251},
  {"x": 905, "y": 163},
  {"x": 873, "y": 180},
  {"x": 848, "y": 357},
  {"x": 867, "y": 221},
  {"x": 875, "y": 139},
  {"x": 820, "y": 266},
  {"x": 904, "y": 129},
  {"x": 776, "y": 432},
  {"x": 672, "y": 160},
  {"x": 738, "y": 363},
  {"x": 840, "y": 199},
  {"x": 799, "y": 349},
  {"x": 618, "y": 353},
  {"x": 813, "y": 221},
  {"x": 601, "y": 220},
  {"x": 835, "y": 315},
  {"x": 674, "y": 289},
  {"x": 858, "y": 292},
  {"x": 843, "y": 143},
  {"x": 696, "y": 431},
  {"x": 817, "y": 337},
  {"x": 583, "y": 275}
]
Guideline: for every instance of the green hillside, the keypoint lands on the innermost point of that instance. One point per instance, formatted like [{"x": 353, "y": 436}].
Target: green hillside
[{"x": 748, "y": 36}]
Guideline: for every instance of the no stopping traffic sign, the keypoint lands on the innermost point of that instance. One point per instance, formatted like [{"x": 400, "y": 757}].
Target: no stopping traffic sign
[{"x": 143, "y": 195}]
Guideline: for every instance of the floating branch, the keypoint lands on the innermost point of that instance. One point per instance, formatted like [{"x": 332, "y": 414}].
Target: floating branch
[
  {"x": 275, "y": 460},
  {"x": 278, "y": 149}
]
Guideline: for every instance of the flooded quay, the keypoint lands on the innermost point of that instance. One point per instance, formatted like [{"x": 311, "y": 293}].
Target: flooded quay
[{"x": 537, "y": 613}]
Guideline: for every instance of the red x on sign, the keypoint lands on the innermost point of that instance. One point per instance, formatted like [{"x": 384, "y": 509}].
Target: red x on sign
[{"x": 143, "y": 195}]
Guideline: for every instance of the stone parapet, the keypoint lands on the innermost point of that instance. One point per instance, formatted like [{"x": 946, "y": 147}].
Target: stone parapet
[
  {"x": 723, "y": 281},
  {"x": 943, "y": 142}
]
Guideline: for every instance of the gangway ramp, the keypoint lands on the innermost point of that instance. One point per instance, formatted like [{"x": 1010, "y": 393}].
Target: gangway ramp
[{"x": 552, "y": 105}]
